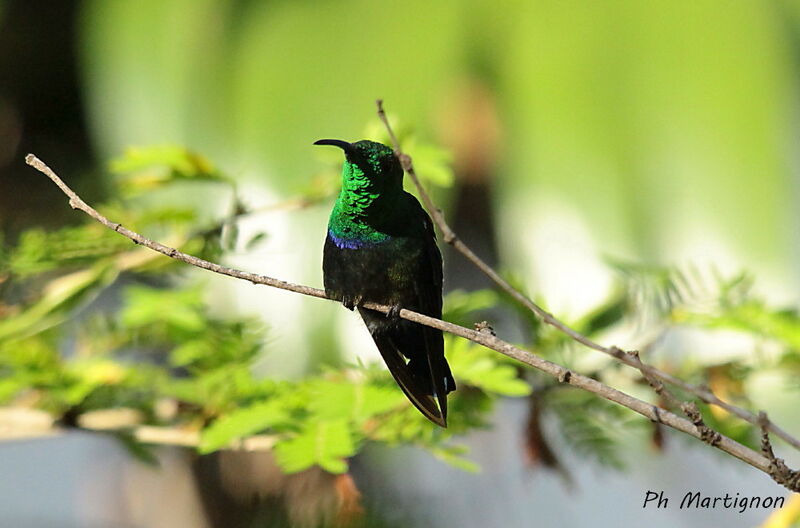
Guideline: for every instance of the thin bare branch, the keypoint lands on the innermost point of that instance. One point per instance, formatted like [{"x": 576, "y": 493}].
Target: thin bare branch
[
  {"x": 779, "y": 471},
  {"x": 629, "y": 358},
  {"x": 484, "y": 338}
]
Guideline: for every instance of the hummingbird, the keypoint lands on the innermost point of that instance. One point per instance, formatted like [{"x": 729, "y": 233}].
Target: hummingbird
[{"x": 381, "y": 248}]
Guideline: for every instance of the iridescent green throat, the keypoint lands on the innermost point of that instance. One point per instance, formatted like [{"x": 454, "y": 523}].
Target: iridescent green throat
[{"x": 359, "y": 203}]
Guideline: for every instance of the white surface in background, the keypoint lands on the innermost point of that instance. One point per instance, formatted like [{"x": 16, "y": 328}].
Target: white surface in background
[
  {"x": 82, "y": 480},
  {"x": 291, "y": 251},
  {"x": 562, "y": 262}
]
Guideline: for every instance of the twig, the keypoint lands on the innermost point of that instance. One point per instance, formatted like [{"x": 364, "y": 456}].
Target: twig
[
  {"x": 77, "y": 203},
  {"x": 779, "y": 472},
  {"x": 486, "y": 339},
  {"x": 450, "y": 237},
  {"x": 707, "y": 434}
]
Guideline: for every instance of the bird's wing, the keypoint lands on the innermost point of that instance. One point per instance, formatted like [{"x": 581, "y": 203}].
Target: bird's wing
[
  {"x": 429, "y": 293},
  {"x": 433, "y": 366}
]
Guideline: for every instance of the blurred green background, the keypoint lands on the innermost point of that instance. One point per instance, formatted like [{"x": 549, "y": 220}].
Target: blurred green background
[
  {"x": 660, "y": 133},
  {"x": 665, "y": 130}
]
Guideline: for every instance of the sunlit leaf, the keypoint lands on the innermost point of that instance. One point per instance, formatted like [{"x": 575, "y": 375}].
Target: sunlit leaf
[
  {"x": 358, "y": 401},
  {"x": 38, "y": 251},
  {"x": 460, "y": 304},
  {"x": 482, "y": 368},
  {"x": 58, "y": 297},
  {"x": 432, "y": 164},
  {"x": 143, "y": 453},
  {"x": 322, "y": 443},
  {"x": 591, "y": 426},
  {"x": 454, "y": 455},
  {"x": 243, "y": 422},
  {"x": 178, "y": 308},
  {"x": 146, "y": 168},
  {"x": 751, "y": 317}
]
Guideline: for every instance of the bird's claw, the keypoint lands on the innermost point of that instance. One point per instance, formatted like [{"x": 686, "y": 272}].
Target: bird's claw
[{"x": 394, "y": 312}]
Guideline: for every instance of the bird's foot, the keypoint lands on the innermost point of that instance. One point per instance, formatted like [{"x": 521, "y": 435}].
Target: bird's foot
[
  {"x": 394, "y": 312},
  {"x": 352, "y": 302}
]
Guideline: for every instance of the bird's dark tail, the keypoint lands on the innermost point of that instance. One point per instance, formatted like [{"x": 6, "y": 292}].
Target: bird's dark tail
[{"x": 425, "y": 378}]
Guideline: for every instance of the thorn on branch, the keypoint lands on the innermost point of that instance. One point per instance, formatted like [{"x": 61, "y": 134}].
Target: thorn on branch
[
  {"x": 656, "y": 385},
  {"x": 656, "y": 414},
  {"x": 707, "y": 434},
  {"x": 766, "y": 445},
  {"x": 485, "y": 327},
  {"x": 619, "y": 353},
  {"x": 405, "y": 161}
]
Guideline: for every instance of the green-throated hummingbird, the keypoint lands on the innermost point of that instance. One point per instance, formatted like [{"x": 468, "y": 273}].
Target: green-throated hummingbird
[{"x": 381, "y": 248}]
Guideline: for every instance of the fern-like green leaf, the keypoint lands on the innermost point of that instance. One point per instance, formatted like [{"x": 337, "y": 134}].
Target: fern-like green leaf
[
  {"x": 323, "y": 443},
  {"x": 243, "y": 422},
  {"x": 332, "y": 400},
  {"x": 484, "y": 369}
]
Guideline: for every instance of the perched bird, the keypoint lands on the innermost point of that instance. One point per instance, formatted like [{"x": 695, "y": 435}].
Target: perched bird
[{"x": 381, "y": 248}]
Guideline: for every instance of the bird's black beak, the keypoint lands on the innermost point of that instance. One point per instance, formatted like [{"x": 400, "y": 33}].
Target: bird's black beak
[{"x": 344, "y": 145}]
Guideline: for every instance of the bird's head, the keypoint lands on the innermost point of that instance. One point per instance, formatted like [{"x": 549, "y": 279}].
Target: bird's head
[{"x": 370, "y": 163}]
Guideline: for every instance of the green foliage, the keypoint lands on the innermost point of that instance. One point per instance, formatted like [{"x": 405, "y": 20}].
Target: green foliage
[
  {"x": 461, "y": 306},
  {"x": 591, "y": 426},
  {"x": 243, "y": 422},
  {"x": 178, "y": 310},
  {"x": 482, "y": 368},
  {"x": 455, "y": 456},
  {"x": 325, "y": 443},
  {"x": 604, "y": 316},
  {"x": 143, "y": 169},
  {"x": 752, "y": 316},
  {"x": 356, "y": 401},
  {"x": 58, "y": 298},
  {"x": 38, "y": 251},
  {"x": 707, "y": 300},
  {"x": 432, "y": 163}
]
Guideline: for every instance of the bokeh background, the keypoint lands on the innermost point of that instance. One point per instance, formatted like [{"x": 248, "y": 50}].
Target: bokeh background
[{"x": 661, "y": 133}]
